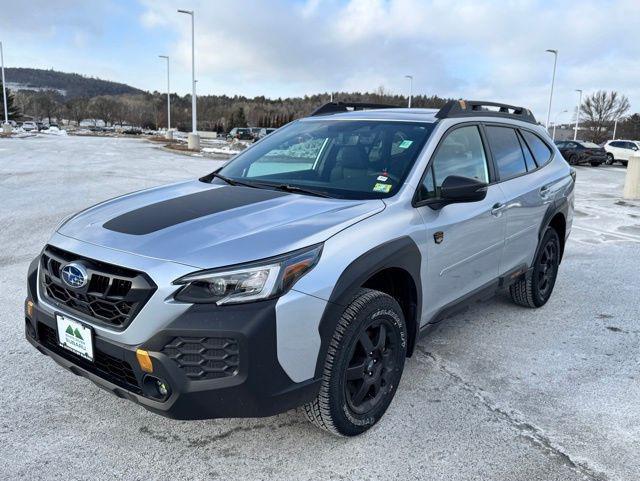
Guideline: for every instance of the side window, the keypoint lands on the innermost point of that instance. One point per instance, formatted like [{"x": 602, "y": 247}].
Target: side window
[
  {"x": 507, "y": 152},
  {"x": 460, "y": 153},
  {"x": 540, "y": 150},
  {"x": 615, "y": 144}
]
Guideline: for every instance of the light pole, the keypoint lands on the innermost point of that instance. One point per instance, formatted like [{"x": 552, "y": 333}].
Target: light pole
[
  {"x": 6, "y": 128},
  {"x": 169, "y": 134},
  {"x": 553, "y": 79},
  {"x": 555, "y": 122},
  {"x": 193, "y": 139},
  {"x": 615, "y": 127},
  {"x": 575, "y": 132},
  {"x": 410, "y": 77}
]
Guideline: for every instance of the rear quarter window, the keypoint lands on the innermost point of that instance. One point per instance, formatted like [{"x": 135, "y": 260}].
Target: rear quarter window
[
  {"x": 540, "y": 150},
  {"x": 507, "y": 151}
]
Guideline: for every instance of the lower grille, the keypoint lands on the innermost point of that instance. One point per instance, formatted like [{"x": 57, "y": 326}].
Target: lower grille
[
  {"x": 107, "y": 367},
  {"x": 204, "y": 357}
]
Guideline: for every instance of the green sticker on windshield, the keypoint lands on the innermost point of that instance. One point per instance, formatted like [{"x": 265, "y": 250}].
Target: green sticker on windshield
[
  {"x": 405, "y": 144},
  {"x": 385, "y": 188}
]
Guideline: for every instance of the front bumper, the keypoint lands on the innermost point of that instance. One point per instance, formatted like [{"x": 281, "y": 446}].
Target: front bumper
[{"x": 251, "y": 383}]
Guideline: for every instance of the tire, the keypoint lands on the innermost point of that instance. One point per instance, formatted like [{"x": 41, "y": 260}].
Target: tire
[
  {"x": 595, "y": 164},
  {"x": 534, "y": 290},
  {"x": 610, "y": 160},
  {"x": 572, "y": 160},
  {"x": 358, "y": 386}
]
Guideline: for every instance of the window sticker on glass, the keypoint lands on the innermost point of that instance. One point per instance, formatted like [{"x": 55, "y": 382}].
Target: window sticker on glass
[
  {"x": 382, "y": 178},
  {"x": 405, "y": 144},
  {"x": 385, "y": 188}
]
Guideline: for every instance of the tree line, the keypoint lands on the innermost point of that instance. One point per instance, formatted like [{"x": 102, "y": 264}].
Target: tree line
[
  {"x": 215, "y": 112},
  {"x": 221, "y": 113}
]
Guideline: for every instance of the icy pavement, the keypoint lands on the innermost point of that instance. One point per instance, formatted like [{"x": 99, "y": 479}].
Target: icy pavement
[{"x": 498, "y": 392}]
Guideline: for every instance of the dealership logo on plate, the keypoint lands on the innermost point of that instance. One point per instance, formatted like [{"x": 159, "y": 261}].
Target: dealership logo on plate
[{"x": 74, "y": 275}]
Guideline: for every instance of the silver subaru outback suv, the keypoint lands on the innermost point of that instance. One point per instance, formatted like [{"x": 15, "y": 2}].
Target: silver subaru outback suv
[{"x": 302, "y": 273}]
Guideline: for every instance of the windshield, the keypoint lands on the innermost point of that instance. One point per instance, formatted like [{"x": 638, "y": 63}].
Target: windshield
[
  {"x": 352, "y": 159},
  {"x": 590, "y": 145}
]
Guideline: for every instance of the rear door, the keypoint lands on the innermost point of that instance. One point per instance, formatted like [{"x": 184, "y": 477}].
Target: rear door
[
  {"x": 526, "y": 188},
  {"x": 465, "y": 240}
]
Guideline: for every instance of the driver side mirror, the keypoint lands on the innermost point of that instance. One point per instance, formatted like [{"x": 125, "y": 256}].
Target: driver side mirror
[{"x": 456, "y": 189}]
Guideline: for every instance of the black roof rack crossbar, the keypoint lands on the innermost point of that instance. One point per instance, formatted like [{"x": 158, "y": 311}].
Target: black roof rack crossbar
[
  {"x": 475, "y": 108},
  {"x": 338, "y": 107}
]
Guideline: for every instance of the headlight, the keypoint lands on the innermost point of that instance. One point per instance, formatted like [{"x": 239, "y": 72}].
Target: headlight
[{"x": 249, "y": 282}]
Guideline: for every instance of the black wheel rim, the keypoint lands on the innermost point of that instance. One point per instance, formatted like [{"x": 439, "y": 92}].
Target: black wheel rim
[
  {"x": 546, "y": 268},
  {"x": 371, "y": 371}
]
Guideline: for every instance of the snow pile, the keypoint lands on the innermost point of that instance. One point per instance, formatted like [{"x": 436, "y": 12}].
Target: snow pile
[
  {"x": 54, "y": 131},
  {"x": 19, "y": 133}
]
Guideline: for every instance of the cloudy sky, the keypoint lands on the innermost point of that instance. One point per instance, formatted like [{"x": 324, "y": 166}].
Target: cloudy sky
[{"x": 489, "y": 50}]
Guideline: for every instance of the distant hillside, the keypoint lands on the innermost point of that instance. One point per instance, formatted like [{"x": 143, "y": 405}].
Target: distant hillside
[{"x": 70, "y": 85}]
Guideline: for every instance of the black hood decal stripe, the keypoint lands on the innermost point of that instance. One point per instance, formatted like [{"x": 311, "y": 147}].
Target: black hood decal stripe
[{"x": 167, "y": 213}]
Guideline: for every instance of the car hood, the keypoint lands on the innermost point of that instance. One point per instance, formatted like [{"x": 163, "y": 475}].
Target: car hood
[{"x": 205, "y": 226}]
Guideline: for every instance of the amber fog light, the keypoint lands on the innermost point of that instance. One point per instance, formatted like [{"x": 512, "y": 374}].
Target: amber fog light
[{"x": 28, "y": 308}]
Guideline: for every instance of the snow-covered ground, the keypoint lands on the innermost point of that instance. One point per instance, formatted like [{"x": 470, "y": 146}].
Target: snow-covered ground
[{"x": 497, "y": 392}]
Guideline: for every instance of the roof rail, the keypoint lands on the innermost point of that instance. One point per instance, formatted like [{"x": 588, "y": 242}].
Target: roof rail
[
  {"x": 338, "y": 107},
  {"x": 475, "y": 108}
]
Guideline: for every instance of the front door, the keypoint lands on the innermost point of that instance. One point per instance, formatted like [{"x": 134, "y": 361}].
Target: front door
[{"x": 464, "y": 240}]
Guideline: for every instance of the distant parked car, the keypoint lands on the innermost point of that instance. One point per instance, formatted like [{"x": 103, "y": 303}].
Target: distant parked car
[
  {"x": 28, "y": 126},
  {"x": 240, "y": 133},
  {"x": 264, "y": 132},
  {"x": 579, "y": 152},
  {"x": 41, "y": 126},
  {"x": 621, "y": 150}
]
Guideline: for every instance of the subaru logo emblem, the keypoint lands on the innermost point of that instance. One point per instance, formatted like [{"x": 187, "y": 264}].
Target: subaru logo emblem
[{"x": 74, "y": 275}]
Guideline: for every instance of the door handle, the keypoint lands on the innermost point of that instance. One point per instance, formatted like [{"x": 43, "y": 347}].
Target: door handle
[
  {"x": 545, "y": 192},
  {"x": 497, "y": 209}
]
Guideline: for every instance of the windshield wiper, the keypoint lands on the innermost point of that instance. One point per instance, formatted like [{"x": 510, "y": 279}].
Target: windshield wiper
[
  {"x": 299, "y": 190},
  {"x": 234, "y": 181},
  {"x": 262, "y": 185}
]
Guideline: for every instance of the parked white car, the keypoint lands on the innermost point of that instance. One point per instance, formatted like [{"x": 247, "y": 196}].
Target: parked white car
[
  {"x": 29, "y": 126},
  {"x": 621, "y": 150}
]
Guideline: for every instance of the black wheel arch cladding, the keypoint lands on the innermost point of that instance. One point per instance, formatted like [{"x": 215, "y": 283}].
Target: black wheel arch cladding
[
  {"x": 401, "y": 253},
  {"x": 555, "y": 208}
]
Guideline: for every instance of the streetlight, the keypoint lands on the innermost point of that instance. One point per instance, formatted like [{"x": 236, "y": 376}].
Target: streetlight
[
  {"x": 615, "y": 127},
  {"x": 410, "y": 77},
  {"x": 193, "y": 141},
  {"x": 553, "y": 79},
  {"x": 575, "y": 132},
  {"x": 6, "y": 127},
  {"x": 555, "y": 121},
  {"x": 169, "y": 134}
]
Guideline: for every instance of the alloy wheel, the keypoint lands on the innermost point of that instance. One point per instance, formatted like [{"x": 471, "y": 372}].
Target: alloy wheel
[
  {"x": 371, "y": 373},
  {"x": 546, "y": 268}
]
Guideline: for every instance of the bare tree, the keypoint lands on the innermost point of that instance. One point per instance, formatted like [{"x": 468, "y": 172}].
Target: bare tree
[
  {"x": 104, "y": 108},
  {"x": 599, "y": 110},
  {"x": 78, "y": 109}
]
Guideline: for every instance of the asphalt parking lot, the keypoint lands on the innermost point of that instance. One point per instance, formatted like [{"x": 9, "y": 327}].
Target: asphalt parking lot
[{"x": 498, "y": 392}]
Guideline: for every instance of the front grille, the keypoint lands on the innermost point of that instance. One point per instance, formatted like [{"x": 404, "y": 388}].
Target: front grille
[
  {"x": 204, "y": 357},
  {"x": 112, "y": 296},
  {"x": 112, "y": 369}
]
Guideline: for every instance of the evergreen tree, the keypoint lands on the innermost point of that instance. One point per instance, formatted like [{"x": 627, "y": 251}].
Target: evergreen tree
[{"x": 12, "y": 108}]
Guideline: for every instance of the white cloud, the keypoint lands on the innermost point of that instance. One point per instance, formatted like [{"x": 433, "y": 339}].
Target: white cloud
[
  {"x": 482, "y": 49},
  {"x": 469, "y": 48}
]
